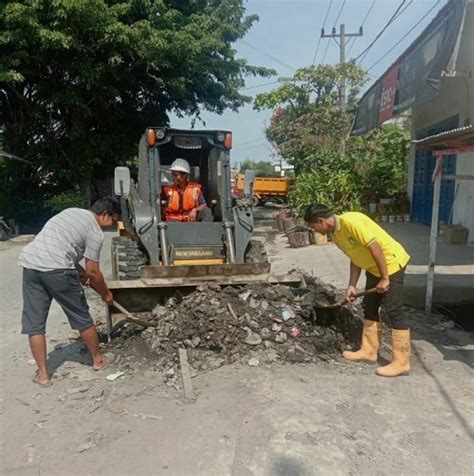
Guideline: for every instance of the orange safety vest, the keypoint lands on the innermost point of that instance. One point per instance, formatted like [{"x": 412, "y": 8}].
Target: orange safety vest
[{"x": 189, "y": 198}]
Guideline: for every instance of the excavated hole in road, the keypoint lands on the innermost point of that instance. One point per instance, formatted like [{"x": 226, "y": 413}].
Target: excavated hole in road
[
  {"x": 462, "y": 314},
  {"x": 259, "y": 323}
]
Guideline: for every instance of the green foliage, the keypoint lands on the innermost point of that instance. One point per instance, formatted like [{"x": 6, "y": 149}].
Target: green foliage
[
  {"x": 307, "y": 127},
  {"x": 262, "y": 168},
  {"x": 65, "y": 200},
  {"x": 381, "y": 160},
  {"x": 328, "y": 177},
  {"x": 81, "y": 79}
]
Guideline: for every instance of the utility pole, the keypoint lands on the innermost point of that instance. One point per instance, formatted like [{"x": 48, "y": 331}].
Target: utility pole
[{"x": 343, "y": 38}]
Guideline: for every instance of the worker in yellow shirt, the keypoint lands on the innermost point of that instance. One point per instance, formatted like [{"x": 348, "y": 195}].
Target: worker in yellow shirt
[{"x": 384, "y": 260}]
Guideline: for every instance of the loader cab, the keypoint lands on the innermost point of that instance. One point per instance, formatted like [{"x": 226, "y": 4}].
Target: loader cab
[
  {"x": 208, "y": 155},
  {"x": 225, "y": 240}
]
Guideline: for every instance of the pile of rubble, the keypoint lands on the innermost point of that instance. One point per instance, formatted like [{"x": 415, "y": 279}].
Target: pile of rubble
[{"x": 257, "y": 324}]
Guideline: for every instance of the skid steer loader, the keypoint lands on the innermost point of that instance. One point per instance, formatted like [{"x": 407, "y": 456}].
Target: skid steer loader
[{"x": 152, "y": 258}]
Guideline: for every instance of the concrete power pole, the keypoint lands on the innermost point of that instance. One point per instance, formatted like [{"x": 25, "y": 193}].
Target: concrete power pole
[{"x": 343, "y": 38}]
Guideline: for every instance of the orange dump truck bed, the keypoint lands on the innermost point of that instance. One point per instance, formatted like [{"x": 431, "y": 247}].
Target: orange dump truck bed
[{"x": 266, "y": 186}]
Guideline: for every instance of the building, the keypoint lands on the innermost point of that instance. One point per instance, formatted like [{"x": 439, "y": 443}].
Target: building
[{"x": 434, "y": 78}]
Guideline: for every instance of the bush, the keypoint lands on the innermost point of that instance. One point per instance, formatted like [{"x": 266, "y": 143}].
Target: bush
[
  {"x": 335, "y": 189},
  {"x": 65, "y": 200}
]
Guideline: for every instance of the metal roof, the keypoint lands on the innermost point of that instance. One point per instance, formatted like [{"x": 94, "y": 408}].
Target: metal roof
[{"x": 459, "y": 137}]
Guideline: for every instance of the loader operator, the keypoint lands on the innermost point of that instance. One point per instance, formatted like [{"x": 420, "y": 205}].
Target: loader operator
[
  {"x": 51, "y": 270},
  {"x": 184, "y": 201},
  {"x": 371, "y": 248}
]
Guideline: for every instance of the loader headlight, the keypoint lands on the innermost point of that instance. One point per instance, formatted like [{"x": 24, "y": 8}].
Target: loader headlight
[
  {"x": 160, "y": 134},
  {"x": 220, "y": 136}
]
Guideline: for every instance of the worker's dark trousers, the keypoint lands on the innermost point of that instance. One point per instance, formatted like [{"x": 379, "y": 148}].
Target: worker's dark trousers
[{"x": 391, "y": 301}]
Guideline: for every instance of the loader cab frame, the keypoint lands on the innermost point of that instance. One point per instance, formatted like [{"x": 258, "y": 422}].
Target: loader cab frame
[
  {"x": 225, "y": 240},
  {"x": 208, "y": 154}
]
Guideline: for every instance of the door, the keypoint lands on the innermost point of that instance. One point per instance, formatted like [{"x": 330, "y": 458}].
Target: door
[{"x": 425, "y": 161}]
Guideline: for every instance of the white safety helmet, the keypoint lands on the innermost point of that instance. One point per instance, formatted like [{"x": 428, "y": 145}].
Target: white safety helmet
[{"x": 181, "y": 165}]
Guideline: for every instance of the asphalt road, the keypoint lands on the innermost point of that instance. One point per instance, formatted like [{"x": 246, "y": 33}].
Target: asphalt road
[{"x": 281, "y": 420}]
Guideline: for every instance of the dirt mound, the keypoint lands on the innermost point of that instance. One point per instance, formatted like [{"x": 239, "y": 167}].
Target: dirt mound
[{"x": 254, "y": 323}]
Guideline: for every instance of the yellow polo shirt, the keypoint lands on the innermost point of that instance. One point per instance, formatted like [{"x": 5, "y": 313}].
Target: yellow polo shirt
[{"x": 355, "y": 232}]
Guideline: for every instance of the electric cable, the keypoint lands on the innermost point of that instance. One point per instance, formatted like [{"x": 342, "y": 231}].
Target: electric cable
[
  {"x": 405, "y": 35},
  {"x": 320, "y": 37},
  {"x": 362, "y": 55},
  {"x": 361, "y": 25},
  {"x": 259, "y": 86},
  {"x": 334, "y": 26},
  {"x": 286, "y": 65}
]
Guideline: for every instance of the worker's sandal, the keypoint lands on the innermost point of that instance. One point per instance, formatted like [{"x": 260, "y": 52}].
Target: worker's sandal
[
  {"x": 371, "y": 338},
  {"x": 401, "y": 355}
]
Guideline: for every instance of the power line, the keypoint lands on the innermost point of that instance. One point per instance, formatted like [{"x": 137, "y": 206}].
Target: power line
[
  {"x": 324, "y": 25},
  {"x": 259, "y": 139},
  {"x": 361, "y": 25},
  {"x": 404, "y": 36},
  {"x": 251, "y": 147},
  {"x": 339, "y": 14},
  {"x": 333, "y": 27},
  {"x": 259, "y": 85},
  {"x": 286, "y": 65},
  {"x": 362, "y": 55}
]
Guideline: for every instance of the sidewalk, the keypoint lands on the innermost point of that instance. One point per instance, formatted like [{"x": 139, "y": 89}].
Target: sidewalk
[{"x": 454, "y": 272}]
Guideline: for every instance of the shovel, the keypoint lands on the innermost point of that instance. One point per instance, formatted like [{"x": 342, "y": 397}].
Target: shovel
[
  {"x": 128, "y": 317},
  {"x": 345, "y": 301}
]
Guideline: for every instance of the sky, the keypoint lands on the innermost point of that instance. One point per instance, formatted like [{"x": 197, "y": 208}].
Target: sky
[{"x": 286, "y": 38}]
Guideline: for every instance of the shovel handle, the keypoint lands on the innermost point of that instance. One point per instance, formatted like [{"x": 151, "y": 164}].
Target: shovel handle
[
  {"x": 130, "y": 317},
  {"x": 360, "y": 294},
  {"x": 365, "y": 292}
]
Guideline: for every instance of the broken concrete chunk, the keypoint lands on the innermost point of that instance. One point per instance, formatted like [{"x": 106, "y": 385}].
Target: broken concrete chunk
[
  {"x": 253, "y": 338},
  {"x": 253, "y": 303},
  {"x": 276, "y": 327},
  {"x": 281, "y": 337},
  {"x": 159, "y": 312},
  {"x": 251, "y": 322},
  {"x": 244, "y": 296},
  {"x": 293, "y": 355},
  {"x": 266, "y": 333},
  {"x": 170, "y": 373}
]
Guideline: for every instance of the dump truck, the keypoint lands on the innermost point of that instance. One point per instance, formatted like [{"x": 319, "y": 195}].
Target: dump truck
[
  {"x": 266, "y": 188},
  {"x": 152, "y": 258}
]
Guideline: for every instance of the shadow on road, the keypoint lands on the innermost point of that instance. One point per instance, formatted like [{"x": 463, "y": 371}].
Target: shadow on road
[{"x": 73, "y": 352}]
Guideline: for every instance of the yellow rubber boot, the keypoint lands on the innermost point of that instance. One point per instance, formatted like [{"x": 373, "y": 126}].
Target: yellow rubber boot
[
  {"x": 401, "y": 355},
  {"x": 371, "y": 338}
]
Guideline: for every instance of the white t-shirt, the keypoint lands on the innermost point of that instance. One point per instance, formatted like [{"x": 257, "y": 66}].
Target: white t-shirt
[{"x": 64, "y": 240}]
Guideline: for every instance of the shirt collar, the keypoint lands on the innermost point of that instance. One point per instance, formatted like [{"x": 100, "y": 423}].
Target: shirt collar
[{"x": 336, "y": 223}]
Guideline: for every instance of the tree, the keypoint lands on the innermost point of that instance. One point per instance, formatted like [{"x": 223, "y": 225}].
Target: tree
[
  {"x": 262, "y": 168},
  {"x": 81, "y": 79},
  {"x": 307, "y": 115},
  {"x": 306, "y": 128}
]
